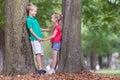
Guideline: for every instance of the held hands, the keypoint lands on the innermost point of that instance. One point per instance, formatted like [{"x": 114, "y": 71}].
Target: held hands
[{"x": 42, "y": 39}]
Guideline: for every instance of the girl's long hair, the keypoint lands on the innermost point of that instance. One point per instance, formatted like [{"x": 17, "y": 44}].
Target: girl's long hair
[{"x": 59, "y": 18}]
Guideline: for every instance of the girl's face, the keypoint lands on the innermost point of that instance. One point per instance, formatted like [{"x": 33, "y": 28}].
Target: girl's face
[
  {"x": 33, "y": 12},
  {"x": 53, "y": 19}
]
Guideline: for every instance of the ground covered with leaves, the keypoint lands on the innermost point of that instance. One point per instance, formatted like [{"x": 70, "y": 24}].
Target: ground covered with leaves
[{"x": 82, "y": 75}]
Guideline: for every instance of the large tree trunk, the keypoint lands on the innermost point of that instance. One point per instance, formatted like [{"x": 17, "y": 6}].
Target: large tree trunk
[
  {"x": 71, "y": 57},
  {"x": 18, "y": 54},
  {"x": 2, "y": 48}
]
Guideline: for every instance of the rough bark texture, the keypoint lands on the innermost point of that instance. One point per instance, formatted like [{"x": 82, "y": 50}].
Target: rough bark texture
[
  {"x": 2, "y": 49},
  {"x": 71, "y": 57},
  {"x": 93, "y": 60},
  {"x": 100, "y": 61},
  {"x": 18, "y": 54},
  {"x": 88, "y": 61},
  {"x": 109, "y": 61}
]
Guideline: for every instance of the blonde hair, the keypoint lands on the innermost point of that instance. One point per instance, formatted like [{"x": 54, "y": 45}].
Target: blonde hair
[
  {"x": 59, "y": 18},
  {"x": 29, "y": 7}
]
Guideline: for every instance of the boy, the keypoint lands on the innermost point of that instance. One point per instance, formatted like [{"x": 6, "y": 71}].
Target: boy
[{"x": 35, "y": 35}]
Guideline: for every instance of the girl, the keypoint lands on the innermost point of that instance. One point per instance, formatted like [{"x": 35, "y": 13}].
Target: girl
[{"x": 55, "y": 39}]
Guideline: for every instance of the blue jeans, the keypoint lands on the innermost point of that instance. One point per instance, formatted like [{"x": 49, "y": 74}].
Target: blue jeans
[{"x": 56, "y": 46}]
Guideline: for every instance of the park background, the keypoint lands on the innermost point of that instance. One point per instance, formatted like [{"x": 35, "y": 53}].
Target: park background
[{"x": 100, "y": 29}]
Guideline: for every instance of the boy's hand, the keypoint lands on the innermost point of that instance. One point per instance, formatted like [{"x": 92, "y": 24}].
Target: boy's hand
[{"x": 39, "y": 39}]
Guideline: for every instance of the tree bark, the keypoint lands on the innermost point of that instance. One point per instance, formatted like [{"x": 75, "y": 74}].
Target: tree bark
[
  {"x": 18, "y": 54},
  {"x": 2, "y": 49},
  {"x": 100, "y": 61},
  {"x": 109, "y": 61},
  {"x": 71, "y": 58},
  {"x": 93, "y": 61},
  {"x": 88, "y": 61}
]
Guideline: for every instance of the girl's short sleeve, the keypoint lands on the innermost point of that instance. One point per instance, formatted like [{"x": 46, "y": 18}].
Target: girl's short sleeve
[{"x": 57, "y": 27}]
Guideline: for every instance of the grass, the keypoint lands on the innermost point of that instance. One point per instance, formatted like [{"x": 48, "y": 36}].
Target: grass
[{"x": 107, "y": 71}]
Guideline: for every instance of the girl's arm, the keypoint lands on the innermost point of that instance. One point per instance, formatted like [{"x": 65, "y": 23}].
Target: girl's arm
[
  {"x": 52, "y": 36},
  {"x": 31, "y": 31},
  {"x": 48, "y": 29}
]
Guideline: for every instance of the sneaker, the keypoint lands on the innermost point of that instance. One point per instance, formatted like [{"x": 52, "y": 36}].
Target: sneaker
[
  {"x": 41, "y": 72},
  {"x": 48, "y": 68},
  {"x": 51, "y": 71}
]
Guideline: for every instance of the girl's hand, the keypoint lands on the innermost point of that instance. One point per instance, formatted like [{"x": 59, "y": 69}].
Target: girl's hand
[
  {"x": 44, "y": 39},
  {"x": 48, "y": 29}
]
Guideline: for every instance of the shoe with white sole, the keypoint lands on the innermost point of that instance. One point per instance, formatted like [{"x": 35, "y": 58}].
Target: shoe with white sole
[{"x": 51, "y": 71}]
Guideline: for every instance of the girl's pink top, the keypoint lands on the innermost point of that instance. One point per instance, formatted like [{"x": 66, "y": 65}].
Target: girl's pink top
[{"x": 58, "y": 36}]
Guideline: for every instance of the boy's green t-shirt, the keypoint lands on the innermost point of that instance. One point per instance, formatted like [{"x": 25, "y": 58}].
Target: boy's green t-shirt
[{"x": 33, "y": 23}]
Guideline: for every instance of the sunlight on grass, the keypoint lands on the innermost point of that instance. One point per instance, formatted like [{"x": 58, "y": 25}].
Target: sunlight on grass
[{"x": 111, "y": 72}]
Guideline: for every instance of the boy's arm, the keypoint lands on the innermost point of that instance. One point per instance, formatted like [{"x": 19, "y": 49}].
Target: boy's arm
[
  {"x": 29, "y": 26},
  {"x": 31, "y": 31}
]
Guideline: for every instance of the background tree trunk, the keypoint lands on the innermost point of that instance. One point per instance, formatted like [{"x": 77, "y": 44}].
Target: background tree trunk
[
  {"x": 2, "y": 49},
  {"x": 100, "y": 61},
  {"x": 18, "y": 54},
  {"x": 93, "y": 60},
  {"x": 71, "y": 57},
  {"x": 88, "y": 61}
]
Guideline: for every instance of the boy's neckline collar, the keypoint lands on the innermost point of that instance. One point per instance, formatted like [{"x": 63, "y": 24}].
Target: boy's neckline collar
[{"x": 31, "y": 16}]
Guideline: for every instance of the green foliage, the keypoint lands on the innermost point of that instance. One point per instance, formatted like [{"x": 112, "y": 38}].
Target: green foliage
[
  {"x": 45, "y": 9},
  {"x": 100, "y": 23},
  {"x": 2, "y": 14},
  {"x": 100, "y": 26}
]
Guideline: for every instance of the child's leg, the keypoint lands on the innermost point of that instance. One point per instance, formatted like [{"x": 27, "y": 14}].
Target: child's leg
[
  {"x": 39, "y": 61},
  {"x": 54, "y": 59}
]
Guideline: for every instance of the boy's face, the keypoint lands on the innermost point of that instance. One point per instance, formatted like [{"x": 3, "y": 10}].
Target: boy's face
[{"x": 33, "y": 11}]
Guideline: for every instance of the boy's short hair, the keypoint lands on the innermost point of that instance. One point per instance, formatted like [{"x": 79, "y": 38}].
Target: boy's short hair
[{"x": 30, "y": 6}]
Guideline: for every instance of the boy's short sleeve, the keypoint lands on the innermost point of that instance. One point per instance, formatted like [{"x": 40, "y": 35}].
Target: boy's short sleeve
[{"x": 29, "y": 23}]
